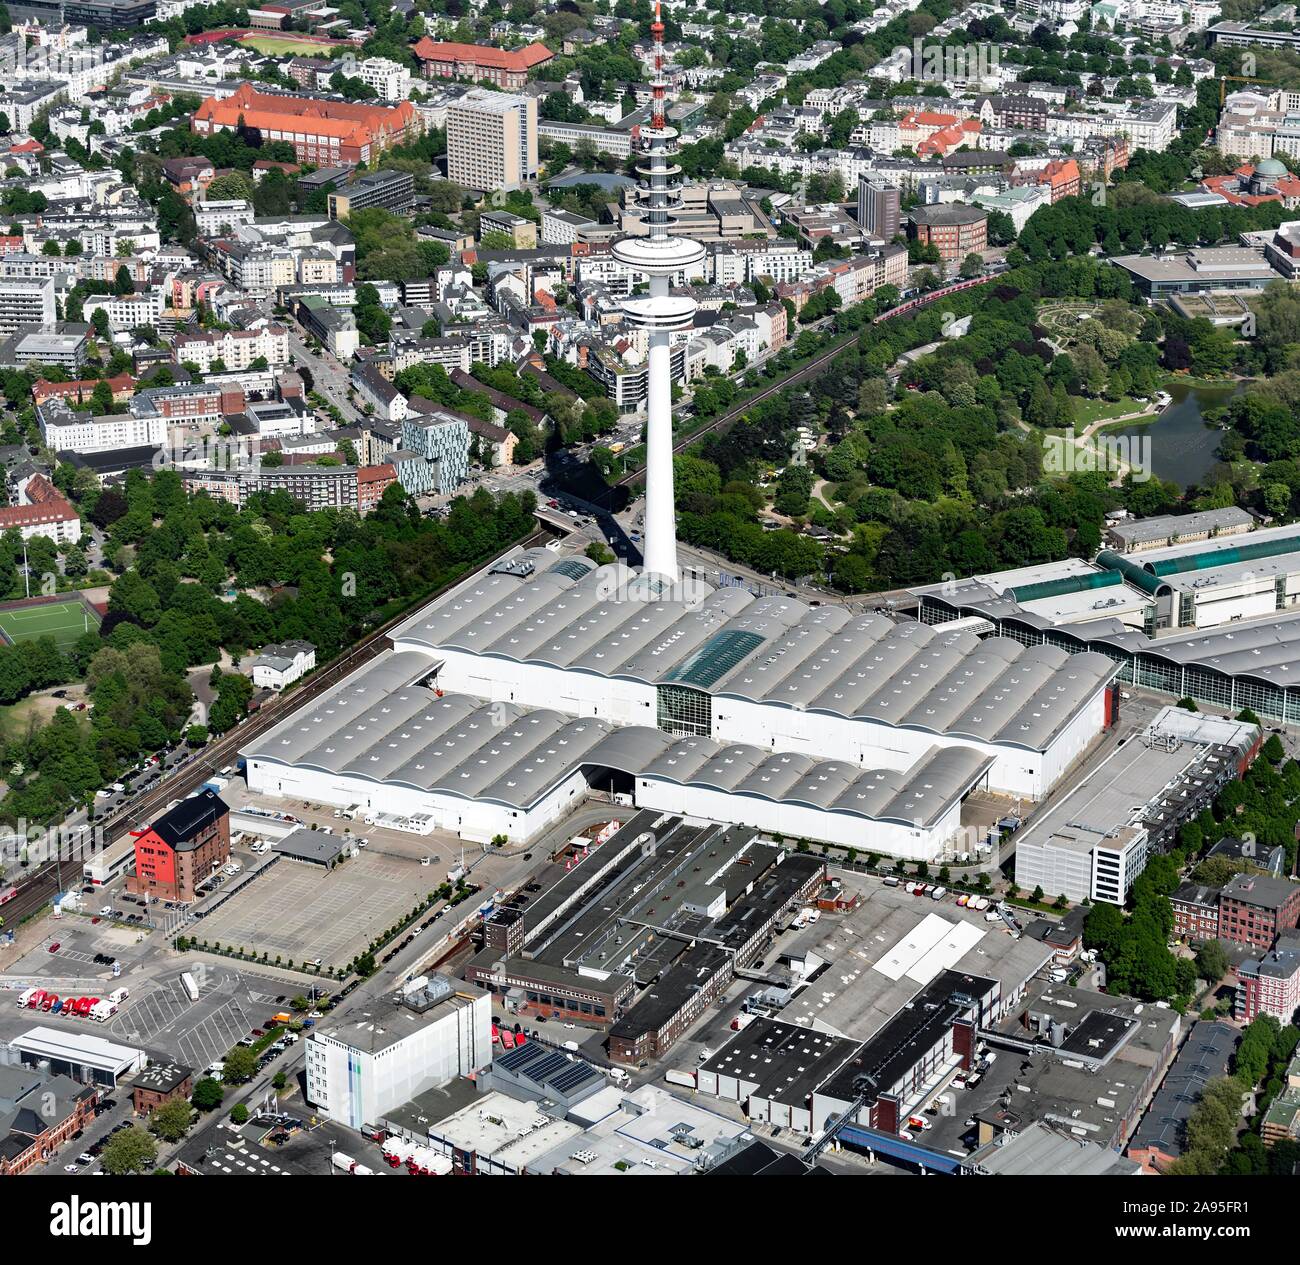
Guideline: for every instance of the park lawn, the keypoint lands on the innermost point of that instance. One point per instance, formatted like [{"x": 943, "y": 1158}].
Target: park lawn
[{"x": 1088, "y": 411}]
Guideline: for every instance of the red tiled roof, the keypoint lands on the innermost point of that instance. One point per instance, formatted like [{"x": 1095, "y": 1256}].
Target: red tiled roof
[{"x": 481, "y": 55}]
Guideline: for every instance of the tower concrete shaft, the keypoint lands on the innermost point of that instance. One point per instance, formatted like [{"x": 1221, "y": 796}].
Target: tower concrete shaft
[{"x": 661, "y": 258}]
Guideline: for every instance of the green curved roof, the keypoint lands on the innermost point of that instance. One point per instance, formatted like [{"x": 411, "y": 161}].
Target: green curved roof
[
  {"x": 1133, "y": 573},
  {"x": 1224, "y": 557},
  {"x": 1069, "y": 584}
]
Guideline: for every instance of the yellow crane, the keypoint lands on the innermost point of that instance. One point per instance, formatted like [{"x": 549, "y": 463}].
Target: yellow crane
[{"x": 1224, "y": 80}]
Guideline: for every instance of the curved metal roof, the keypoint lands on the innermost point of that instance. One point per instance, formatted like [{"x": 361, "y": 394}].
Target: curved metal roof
[
  {"x": 383, "y": 725},
  {"x": 819, "y": 659}
]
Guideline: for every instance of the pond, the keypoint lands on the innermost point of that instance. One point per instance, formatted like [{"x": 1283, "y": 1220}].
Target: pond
[{"x": 1183, "y": 447}]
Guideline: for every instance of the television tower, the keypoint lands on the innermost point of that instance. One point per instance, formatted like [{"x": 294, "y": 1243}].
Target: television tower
[{"x": 660, "y": 257}]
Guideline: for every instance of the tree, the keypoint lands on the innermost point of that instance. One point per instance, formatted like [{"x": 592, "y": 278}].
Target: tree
[
  {"x": 239, "y": 1113},
  {"x": 129, "y": 1151},
  {"x": 241, "y": 1064},
  {"x": 1212, "y": 961},
  {"x": 171, "y": 1121},
  {"x": 208, "y": 1094}
]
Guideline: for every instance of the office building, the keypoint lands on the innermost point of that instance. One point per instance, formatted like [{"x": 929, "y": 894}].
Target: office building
[
  {"x": 391, "y": 190},
  {"x": 1257, "y": 908},
  {"x": 492, "y": 140},
  {"x": 955, "y": 230},
  {"x": 182, "y": 849},
  {"x": 879, "y": 213}
]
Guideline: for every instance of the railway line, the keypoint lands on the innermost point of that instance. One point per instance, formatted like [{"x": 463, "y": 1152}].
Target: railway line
[
  {"x": 725, "y": 420},
  {"x": 42, "y": 885}
]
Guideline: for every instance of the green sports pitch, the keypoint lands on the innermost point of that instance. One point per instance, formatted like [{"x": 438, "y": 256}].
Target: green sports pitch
[{"x": 64, "y": 621}]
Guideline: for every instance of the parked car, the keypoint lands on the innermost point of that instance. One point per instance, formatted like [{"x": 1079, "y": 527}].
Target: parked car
[{"x": 54, "y": 948}]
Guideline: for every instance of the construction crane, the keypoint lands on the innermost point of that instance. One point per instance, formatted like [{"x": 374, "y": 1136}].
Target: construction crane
[{"x": 1224, "y": 80}]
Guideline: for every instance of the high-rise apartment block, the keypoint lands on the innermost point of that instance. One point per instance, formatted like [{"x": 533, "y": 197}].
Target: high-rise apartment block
[{"x": 492, "y": 140}]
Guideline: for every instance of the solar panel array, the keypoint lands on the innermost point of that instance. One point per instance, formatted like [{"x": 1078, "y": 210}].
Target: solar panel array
[{"x": 547, "y": 1068}]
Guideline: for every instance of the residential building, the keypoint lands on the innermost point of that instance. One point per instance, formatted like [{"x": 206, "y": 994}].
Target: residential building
[
  {"x": 1269, "y": 986},
  {"x": 26, "y": 301},
  {"x": 282, "y": 663},
  {"x": 492, "y": 140},
  {"x": 1196, "y": 912},
  {"x": 235, "y": 349},
  {"x": 46, "y": 513}
]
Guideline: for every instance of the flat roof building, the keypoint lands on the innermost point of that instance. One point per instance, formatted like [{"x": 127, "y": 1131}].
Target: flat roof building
[{"x": 82, "y": 1056}]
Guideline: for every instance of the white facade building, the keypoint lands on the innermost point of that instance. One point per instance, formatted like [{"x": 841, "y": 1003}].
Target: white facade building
[{"x": 437, "y": 1032}]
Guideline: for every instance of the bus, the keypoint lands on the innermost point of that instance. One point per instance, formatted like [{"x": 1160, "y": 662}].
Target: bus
[
  {"x": 191, "y": 988},
  {"x": 107, "y": 865}
]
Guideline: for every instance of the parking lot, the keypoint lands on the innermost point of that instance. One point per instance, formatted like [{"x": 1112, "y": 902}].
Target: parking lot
[{"x": 301, "y": 912}]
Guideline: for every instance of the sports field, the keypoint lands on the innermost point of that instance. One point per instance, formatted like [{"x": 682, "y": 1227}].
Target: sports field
[
  {"x": 64, "y": 621},
  {"x": 274, "y": 47}
]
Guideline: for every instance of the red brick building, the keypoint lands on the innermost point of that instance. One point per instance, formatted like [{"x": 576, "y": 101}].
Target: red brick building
[
  {"x": 372, "y": 483},
  {"x": 39, "y": 1114},
  {"x": 1255, "y": 908},
  {"x": 160, "y": 1083},
  {"x": 182, "y": 848},
  {"x": 321, "y": 131},
  {"x": 79, "y": 392},
  {"x": 440, "y": 60},
  {"x": 1196, "y": 912},
  {"x": 956, "y": 230}
]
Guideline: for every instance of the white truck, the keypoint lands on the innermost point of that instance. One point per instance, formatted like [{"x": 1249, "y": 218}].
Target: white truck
[
  {"x": 25, "y": 996},
  {"x": 119, "y": 995},
  {"x": 103, "y": 1010},
  {"x": 344, "y": 1163}
]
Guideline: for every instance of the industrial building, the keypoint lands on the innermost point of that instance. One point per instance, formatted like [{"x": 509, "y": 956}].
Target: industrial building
[
  {"x": 431, "y": 1032},
  {"x": 1092, "y": 843},
  {"x": 638, "y": 930},
  {"x": 1205, "y": 1056},
  {"x": 80, "y": 1055}
]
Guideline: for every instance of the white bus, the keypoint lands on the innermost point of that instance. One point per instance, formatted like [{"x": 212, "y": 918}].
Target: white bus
[{"x": 191, "y": 988}]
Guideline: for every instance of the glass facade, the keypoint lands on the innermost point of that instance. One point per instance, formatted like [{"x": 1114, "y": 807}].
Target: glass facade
[{"x": 683, "y": 711}]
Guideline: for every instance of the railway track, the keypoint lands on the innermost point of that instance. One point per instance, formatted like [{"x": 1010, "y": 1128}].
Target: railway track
[{"x": 42, "y": 885}]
